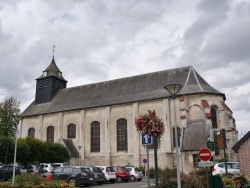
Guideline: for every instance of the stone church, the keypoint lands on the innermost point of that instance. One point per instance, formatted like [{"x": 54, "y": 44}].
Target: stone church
[{"x": 96, "y": 122}]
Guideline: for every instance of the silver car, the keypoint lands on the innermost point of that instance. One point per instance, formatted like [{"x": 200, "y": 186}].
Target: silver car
[{"x": 135, "y": 173}]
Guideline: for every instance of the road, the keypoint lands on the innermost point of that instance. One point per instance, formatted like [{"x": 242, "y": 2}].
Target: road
[{"x": 130, "y": 184}]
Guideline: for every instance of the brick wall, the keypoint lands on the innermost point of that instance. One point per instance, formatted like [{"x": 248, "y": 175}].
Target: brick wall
[{"x": 244, "y": 158}]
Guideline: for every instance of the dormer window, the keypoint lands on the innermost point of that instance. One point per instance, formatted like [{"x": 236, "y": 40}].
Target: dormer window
[
  {"x": 59, "y": 74},
  {"x": 44, "y": 73}
]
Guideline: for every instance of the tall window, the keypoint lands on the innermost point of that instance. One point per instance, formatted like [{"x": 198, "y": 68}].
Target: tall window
[
  {"x": 178, "y": 136},
  {"x": 50, "y": 134},
  {"x": 122, "y": 138},
  {"x": 196, "y": 160},
  {"x": 214, "y": 117},
  {"x": 95, "y": 136},
  {"x": 31, "y": 132},
  {"x": 71, "y": 131}
]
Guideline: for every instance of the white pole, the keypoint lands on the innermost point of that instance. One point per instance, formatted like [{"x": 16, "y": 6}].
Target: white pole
[
  {"x": 14, "y": 166},
  {"x": 177, "y": 148}
]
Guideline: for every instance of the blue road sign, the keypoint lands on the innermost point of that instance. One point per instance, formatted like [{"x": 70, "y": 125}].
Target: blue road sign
[{"x": 146, "y": 139}]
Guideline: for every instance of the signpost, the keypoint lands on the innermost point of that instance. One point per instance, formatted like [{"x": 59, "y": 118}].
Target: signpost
[
  {"x": 146, "y": 139},
  {"x": 204, "y": 154}
]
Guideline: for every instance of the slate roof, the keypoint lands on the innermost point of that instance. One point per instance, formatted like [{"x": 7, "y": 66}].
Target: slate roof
[
  {"x": 73, "y": 152},
  {"x": 125, "y": 90},
  {"x": 241, "y": 141},
  {"x": 200, "y": 133}
]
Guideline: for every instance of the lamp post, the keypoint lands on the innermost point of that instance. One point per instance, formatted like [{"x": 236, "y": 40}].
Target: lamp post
[
  {"x": 18, "y": 118},
  {"x": 79, "y": 162},
  {"x": 173, "y": 90}
]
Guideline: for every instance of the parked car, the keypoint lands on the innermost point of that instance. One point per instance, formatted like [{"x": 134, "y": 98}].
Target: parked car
[
  {"x": 6, "y": 172},
  {"x": 109, "y": 173},
  {"x": 35, "y": 169},
  {"x": 232, "y": 168},
  {"x": 135, "y": 173},
  {"x": 122, "y": 174},
  {"x": 48, "y": 167},
  {"x": 23, "y": 169},
  {"x": 74, "y": 175},
  {"x": 55, "y": 165},
  {"x": 99, "y": 175}
]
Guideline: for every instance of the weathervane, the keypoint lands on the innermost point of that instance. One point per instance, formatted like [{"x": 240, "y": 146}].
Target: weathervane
[{"x": 53, "y": 50}]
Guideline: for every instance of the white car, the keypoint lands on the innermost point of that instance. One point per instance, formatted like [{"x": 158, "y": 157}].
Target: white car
[
  {"x": 47, "y": 167},
  {"x": 109, "y": 173},
  {"x": 135, "y": 173},
  {"x": 232, "y": 168}
]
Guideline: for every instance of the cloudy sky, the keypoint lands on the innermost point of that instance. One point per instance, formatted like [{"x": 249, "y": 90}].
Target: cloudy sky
[{"x": 99, "y": 40}]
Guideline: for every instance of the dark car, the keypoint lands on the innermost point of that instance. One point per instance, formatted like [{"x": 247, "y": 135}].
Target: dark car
[
  {"x": 99, "y": 175},
  {"x": 74, "y": 175},
  {"x": 6, "y": 172},
  {"x": 122, "y": 174}
]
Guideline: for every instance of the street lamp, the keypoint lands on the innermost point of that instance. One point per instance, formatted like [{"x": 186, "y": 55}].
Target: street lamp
[
  {"x": 18, "y": 118},
  {"x": 173, "y": 90}
]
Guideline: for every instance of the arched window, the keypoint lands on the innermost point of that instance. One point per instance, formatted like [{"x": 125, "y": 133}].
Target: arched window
[
  {"x": 95, "y": 136},
  {"x": 71, "y": 131},
  {"x": 214, "y": 117},
  {"x": 122, "y": 138},
  {"x": 50, "y": 134},
  {"x": 31, "y": 132},
  {"x": 178, "y": 136}
]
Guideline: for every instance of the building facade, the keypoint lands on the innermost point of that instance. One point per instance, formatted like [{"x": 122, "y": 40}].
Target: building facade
[
  {"x": 242, "y": 148},
  {"x": 96, "y": 122}
]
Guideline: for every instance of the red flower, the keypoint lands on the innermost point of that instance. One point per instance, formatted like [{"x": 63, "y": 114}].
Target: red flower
[{"x": 150, "y": 124}]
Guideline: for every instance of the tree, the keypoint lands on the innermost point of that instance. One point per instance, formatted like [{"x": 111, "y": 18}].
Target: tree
[{"x": 9, "y": 112}]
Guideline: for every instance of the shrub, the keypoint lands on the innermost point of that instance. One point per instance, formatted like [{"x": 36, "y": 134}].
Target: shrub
[
  {"x": 34, "y": 181},
  {"x": 167, "y": 178},
  {"x": 242, "y": 180}
]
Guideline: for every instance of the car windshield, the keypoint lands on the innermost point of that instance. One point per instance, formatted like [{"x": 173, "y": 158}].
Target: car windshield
[
  {"x": 86, "y": 170},
  {"x": 124, "y": 169},
  {"x": 137, "y": 170},
  {"x": 110, "y": 169},
  {"x": 96, "y": 169}
]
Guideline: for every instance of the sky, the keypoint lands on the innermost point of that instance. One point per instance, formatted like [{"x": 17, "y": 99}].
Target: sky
[{"x": 100, "y": 40}]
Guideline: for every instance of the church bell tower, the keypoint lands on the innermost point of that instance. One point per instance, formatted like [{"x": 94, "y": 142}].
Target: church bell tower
[{"x": 49, "y": 83}]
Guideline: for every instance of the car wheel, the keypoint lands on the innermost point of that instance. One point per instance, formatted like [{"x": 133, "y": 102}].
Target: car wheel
[
  {"x": 72, "y": 182},
  {"x": 138, "y": 179},
  {"x": 132, "y": 178},
  {"x": 119, "y": 179}
]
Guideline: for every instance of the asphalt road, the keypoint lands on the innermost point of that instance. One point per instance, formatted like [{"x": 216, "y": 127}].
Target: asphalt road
[{"x": 140, "y": 184}]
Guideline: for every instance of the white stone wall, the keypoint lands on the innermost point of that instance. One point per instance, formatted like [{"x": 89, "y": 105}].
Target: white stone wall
[{"x": 187, "y": 107}]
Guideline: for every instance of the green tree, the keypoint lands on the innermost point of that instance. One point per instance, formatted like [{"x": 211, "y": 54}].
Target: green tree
[
  {"x": 9, "y": 112},
  {"x": 6, "y": 150},
  {"x": 57, "y": 153}
]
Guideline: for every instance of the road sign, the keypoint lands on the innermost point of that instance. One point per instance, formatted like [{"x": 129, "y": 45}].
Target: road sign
[
  {"x": 204, "y": 154},
  {"x": 210, "y": 145},
  {"x": 145, "y": 160},
  {"x": 209, "y": 163},
  {"x": 146, "y": 139}
]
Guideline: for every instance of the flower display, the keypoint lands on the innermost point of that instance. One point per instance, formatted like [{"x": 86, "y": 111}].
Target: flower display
[{"x": 150, "y": 124}]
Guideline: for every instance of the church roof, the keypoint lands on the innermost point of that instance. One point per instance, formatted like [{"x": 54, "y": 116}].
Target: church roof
[
  {"x": 200, "y": 130},
  {"x": 125, "y": 90}
]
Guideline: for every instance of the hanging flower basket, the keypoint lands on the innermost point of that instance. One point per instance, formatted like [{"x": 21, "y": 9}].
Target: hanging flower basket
[{"x": 150, "y": 124}]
